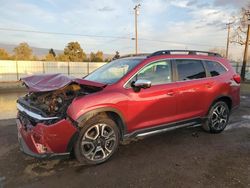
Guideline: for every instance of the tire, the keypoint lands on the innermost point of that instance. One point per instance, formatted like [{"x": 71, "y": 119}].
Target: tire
[
  {"x": 98, "y": 140},
  {"x": 217, "y": 118}
]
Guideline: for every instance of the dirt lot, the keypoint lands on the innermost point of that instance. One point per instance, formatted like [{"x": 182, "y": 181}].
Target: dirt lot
[{"x": 183, "y": 158}]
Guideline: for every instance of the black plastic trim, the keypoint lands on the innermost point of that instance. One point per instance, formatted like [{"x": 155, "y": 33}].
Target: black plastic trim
[
  {"x": 72, "y": 141},
  {"x": 25, "y": 149},
  {"x": 104, "y": 109}
]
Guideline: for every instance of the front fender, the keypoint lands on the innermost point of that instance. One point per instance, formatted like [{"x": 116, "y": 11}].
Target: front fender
[{"x": 86, "y": 106}]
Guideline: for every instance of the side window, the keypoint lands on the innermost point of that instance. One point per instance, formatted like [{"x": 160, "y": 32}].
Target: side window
[
  {"x": 189, "y": 69},
  {"x": 157, "y": 73},
  {"x": 215, "y": 68}
]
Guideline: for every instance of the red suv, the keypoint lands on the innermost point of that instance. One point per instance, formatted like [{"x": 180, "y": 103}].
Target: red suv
[{"x": 126, "y": 98}]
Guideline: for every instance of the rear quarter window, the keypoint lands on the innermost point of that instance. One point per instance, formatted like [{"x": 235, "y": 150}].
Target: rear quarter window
[{"x": 215, "y": 68}]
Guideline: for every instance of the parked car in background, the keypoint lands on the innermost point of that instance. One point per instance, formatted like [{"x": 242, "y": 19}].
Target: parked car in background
[{"x": 129, "y": 97}]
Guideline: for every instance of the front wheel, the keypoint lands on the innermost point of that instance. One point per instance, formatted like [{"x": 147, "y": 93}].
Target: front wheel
[
  {"x": 98, "y": 141},
  {"x": 218, "y": 117}
]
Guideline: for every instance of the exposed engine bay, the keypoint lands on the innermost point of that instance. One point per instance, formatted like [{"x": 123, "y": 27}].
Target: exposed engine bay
[
  {"x": 54, "y": 103},
  {"x": 50, "y": 95}
]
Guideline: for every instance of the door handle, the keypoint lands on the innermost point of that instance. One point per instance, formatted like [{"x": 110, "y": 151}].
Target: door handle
[
  {"x": 209, "y": 84},
  {"x": 170, "y": 93}
]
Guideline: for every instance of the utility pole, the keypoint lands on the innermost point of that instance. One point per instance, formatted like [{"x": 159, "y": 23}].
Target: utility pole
[
  {"x": 136, "y": 33},
  {"x": 228, "y": 37},
  {"x": 243, "y": 69}
]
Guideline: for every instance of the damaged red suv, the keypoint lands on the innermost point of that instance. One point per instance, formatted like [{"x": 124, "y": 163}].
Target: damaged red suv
[{"x": 126, "y": 98}]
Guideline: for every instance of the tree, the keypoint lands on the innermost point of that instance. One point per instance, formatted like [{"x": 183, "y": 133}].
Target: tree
[
  {"x": 34, "y": 58},
  {"x": 51, "y": 56},
  {"x": 96, "y": 57},
  {"x": 4, "y": 54},
  {"x": 52, "y": 52},
  {"x": 243, "y": 32},
  {"x": 74, "y": 52},
  {"x": 117, "y": 55},
  {"x": 92, "y": 57},
  {"x": 62, "y": 57},
  {"x": 240, "y": 27},
  {"x": 108, "y": 59},
  {"x": 99, "y": 56},
  {"x": 23, "y": 52}
]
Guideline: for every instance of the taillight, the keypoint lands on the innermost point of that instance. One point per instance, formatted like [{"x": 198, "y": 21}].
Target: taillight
[{"x": 237, "y": 78}]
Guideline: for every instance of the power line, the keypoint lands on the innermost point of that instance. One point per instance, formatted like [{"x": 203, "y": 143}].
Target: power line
[
  {"x": 59, "y": 33},
  {"x": 105, "y": 36}
]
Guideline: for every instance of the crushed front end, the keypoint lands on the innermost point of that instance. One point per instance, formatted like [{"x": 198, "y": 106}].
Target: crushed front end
[{"x": 44, "y": 128}]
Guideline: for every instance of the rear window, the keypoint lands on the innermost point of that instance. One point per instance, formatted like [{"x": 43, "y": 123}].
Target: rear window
[
  {"x": 188, "y": 69},
  {"x": 215, "y": 68}
]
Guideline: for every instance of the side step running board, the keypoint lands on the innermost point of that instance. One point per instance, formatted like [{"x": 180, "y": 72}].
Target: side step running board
[{"x": 163, "y": 128}]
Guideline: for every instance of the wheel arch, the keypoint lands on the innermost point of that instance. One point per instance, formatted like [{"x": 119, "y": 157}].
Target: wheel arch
[
  {"x": 110, "y": 112},
  {"x": 225, "y": 98}
]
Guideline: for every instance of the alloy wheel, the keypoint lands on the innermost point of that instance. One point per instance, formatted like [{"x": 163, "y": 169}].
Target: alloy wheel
[
  {"x": 98, "y": 142},
  {"x": 219, "y": 117}
]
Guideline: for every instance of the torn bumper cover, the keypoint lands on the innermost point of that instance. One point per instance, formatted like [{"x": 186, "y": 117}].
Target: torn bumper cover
[{"x": 45, "y": 141}]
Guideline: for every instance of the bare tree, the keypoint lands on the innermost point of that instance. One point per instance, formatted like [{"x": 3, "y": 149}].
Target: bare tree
[
  {"x": 240, "y": 27},
  {"x": 241, "y": 35}
]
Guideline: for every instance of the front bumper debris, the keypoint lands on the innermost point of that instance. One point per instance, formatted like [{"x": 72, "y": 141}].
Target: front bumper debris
[{"x": 45, "y": 141}]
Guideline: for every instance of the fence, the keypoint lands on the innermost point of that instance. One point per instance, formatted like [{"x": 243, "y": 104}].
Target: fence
[{"x": 14, "y": 70}]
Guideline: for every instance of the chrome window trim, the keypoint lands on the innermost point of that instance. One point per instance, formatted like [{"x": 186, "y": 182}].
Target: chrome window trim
[
  {"x": 32, "y": 114},
  {"x": 147, "y": 65},
  {"x": 201, "y": 59},
  {"x": 218, "y": 63}
]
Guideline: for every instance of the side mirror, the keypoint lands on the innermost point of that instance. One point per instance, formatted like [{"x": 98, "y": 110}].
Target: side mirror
[{"x": 142, "y": 84}]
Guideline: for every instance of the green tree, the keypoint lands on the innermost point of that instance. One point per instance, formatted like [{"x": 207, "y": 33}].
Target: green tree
[
  {"x": 52, "y": 52},
  {"x": 74, "y": 52},
  {"x": 51, "y": 56},
  {"x": 23, "y": 52},
  {"x": 4, "y": 54},
  {"x": 117, "y": 55}
]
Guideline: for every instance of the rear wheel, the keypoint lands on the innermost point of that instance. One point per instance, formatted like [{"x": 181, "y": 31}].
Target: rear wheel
[
  {"x": 98, "y": 141},
  {"x": 218, "y": 117}
]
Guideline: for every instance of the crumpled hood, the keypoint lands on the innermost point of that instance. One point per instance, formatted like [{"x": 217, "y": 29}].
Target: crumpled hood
[{"x": 50, "y": 82}]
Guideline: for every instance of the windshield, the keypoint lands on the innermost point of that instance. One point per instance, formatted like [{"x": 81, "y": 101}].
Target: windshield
[{"x": 113, "y": 71}]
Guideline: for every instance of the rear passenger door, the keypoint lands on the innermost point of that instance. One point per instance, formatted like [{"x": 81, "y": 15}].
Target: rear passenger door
[{"x": 192, "y": 88}]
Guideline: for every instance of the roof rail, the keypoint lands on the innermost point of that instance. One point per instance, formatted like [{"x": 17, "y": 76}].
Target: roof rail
[
  {"x": 189, "y": 52},
  {"x": 135, "y": 55}
]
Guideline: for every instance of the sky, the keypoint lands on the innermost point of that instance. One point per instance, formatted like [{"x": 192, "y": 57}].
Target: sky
[{"x": 108, "y": 25}]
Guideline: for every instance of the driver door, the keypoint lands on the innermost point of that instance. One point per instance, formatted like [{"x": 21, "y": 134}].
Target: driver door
[{"x": 155, "y": 105}]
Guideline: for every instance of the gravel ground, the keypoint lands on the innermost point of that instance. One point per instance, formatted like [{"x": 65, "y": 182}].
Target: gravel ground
[{"x": 182, "y": 158}]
